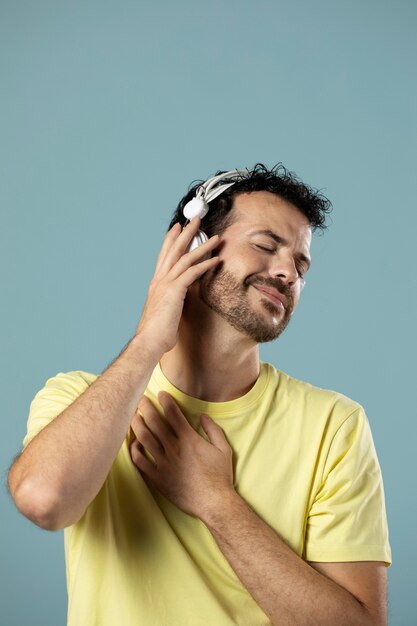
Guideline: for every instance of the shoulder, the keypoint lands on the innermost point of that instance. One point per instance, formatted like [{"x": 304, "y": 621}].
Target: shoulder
[
  {"x": 314, "y": 402},
  {"x": 76, "y": 380},
  {"x": 64, "y": 384},
  {"x": 57, "y": 393}
]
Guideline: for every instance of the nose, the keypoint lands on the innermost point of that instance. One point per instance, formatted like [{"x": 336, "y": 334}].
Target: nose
[{"x": 283, "y": 267}]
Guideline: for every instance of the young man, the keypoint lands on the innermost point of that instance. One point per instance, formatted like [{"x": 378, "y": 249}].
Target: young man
[{"x": 198, "y": 485}]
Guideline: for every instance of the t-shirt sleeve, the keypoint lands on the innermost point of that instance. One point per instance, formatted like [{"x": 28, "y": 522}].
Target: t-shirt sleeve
[
  {"x": 347, "y": 520},
  {"x": 58, "y": 393}
]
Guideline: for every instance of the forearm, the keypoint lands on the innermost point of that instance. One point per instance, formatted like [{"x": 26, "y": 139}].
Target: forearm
[
  {"x": 65, "y": 465},
  {"x": 288, "y": 589}
]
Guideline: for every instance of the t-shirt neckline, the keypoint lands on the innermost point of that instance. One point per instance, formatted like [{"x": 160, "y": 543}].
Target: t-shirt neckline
[{"x": 218, "y": 409}]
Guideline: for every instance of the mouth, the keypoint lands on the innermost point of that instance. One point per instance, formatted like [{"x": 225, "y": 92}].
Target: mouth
[{"x": 272, "y": 297}]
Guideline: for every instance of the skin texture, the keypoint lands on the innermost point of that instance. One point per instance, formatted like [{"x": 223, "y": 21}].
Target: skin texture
[
  {"x": 215, "y": 358},
  {"x": 232, "y": 294}
]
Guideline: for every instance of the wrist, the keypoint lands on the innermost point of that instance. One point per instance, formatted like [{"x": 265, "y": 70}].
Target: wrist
[
  {"x": 143, "y": 345},
  {"x": 219, "y": 509}
]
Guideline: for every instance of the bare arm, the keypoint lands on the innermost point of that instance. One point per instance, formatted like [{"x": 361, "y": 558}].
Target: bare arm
[
  {"x": 65, "y": 465},
  {"x": 287, "y": 588}
]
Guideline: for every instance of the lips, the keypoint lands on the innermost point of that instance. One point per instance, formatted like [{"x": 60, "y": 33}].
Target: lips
[{"x": 273, "y": 295}]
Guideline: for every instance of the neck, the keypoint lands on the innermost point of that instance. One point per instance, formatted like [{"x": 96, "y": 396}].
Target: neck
[{"x": 211, "y": 360}]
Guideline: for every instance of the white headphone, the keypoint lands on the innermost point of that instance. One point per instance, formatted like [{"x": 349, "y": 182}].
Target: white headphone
[{"x": 206, "y": 192}]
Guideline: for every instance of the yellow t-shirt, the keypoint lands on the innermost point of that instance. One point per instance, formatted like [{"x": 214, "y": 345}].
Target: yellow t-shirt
[{"x": 305, "y": 461}]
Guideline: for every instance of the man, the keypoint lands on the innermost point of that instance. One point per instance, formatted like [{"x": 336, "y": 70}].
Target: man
[{"x": 196, "y": 484}]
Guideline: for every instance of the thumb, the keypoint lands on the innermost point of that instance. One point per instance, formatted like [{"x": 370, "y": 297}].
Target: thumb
[{"x": 215, "y": 433}]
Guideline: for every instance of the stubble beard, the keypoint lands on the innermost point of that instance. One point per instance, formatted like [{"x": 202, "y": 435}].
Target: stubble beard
[{"x": 222, "y": 292}]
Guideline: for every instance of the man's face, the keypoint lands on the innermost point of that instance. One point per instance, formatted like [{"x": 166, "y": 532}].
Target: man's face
[{"x": 253, "y": 261}]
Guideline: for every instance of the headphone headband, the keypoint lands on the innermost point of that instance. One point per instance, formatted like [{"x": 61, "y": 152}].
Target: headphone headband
[{"x": 208, "y": 191}]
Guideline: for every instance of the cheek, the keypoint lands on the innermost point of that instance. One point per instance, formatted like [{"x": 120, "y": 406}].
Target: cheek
[
  {"x": 296, "y": 297},
  {"x": 241, "y": 258}
]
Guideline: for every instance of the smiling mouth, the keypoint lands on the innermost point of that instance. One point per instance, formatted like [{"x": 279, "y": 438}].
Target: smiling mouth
[{"x": 271, "y": 298}]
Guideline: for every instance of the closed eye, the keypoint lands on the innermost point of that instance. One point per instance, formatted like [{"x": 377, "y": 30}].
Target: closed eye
[{"x": 300, "y": 270}]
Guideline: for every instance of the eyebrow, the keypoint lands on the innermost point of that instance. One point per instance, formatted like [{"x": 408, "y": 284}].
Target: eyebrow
[{"x": 283, "y": 242}]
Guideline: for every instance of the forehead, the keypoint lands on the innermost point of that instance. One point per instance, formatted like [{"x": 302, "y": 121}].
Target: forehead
[{"x": 265, "y": 210}]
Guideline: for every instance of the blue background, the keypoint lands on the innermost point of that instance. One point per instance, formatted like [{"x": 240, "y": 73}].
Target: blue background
[{"x": 108, "y": 111}]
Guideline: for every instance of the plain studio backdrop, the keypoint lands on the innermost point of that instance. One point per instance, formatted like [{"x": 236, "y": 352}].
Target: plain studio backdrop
[{"x": 108, "y": 111}]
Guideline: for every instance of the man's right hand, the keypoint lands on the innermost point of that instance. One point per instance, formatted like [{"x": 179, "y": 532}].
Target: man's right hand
[
  {"x": 175, "y": 271},
  {"x": 83, "y": 440}
]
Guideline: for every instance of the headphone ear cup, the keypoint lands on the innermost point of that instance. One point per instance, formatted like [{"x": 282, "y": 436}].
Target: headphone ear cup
[
  {"x": 195, "y": 207},
  {"x": 197, "y": 241}
]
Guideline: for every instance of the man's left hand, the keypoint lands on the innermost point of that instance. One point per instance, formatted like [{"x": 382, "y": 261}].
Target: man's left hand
[{"x": 191, "y": 472}]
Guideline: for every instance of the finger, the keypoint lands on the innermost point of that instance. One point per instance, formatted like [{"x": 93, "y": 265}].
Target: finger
[
  {"x": 156, "y": 423},
  {"x": 147, "y": 408},
  {"x": 179, "y": 246},
  {"x": 215, "y": 434},
  {"x": 173, "y": 414},
  {"x": 169, "y": 239},
  {"x": 147, "y": 438},
  {"x": 192, "y": 258},
  {"x": 139, "y": 459},
  {"x": 198, "y": 270}
]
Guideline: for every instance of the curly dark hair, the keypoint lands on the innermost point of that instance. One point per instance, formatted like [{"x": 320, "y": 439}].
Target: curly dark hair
[{"x": 278, "y": 180}]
